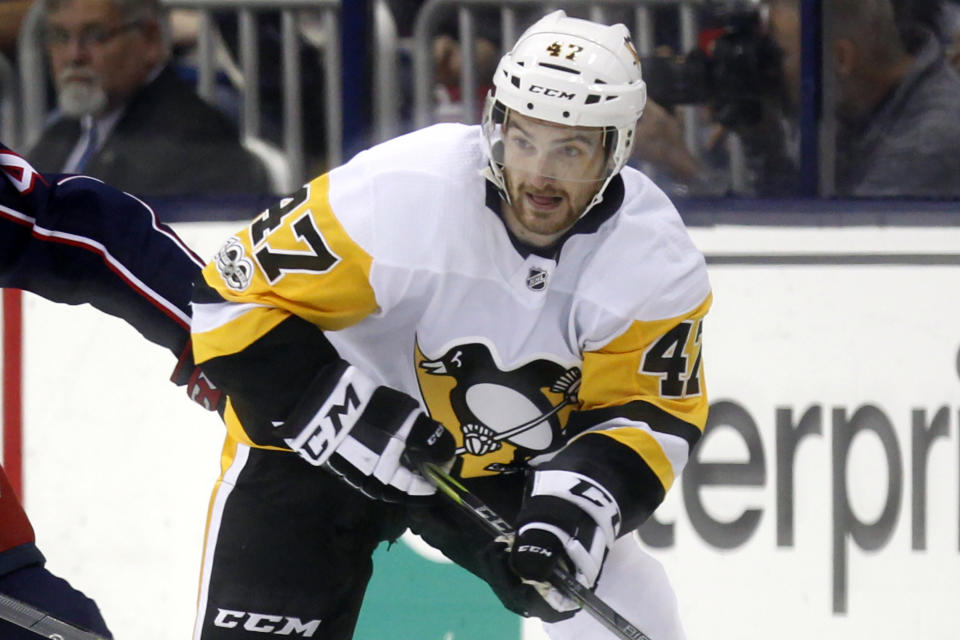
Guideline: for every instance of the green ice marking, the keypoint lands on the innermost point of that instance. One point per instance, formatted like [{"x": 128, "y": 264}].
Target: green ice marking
[{"x": 413, "y": 598}]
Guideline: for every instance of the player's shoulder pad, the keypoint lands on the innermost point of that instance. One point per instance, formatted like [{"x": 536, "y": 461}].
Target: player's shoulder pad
[
  {"x": 646, "y": 266},
  {"x": 410, "y": 191}
]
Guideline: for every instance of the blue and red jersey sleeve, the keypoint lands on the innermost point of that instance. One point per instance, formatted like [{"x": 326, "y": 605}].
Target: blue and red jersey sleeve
[{"x": 74, "y": 239}]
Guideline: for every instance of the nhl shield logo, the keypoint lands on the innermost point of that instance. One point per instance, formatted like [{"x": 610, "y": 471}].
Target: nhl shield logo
[{"x": 536, "y": 279}]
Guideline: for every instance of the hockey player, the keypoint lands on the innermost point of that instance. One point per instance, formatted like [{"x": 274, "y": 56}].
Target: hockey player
[
  {"x": 73, "y": 239},
  {"x": 515, "y": 322},
  {"x": 508, "y": 299},
  {"x": 24, "y": 576}
]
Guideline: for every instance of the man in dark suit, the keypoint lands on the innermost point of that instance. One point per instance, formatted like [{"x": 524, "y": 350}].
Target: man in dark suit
[{"x": 125, "y": 116}]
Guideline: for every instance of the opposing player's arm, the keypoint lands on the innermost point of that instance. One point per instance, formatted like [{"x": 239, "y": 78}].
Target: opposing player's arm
[{"x": 76, "y": 240}]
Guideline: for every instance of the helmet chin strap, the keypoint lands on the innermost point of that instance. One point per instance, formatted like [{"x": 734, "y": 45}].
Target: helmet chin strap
[
  {"x": 498, "y": 181},
  {"x": 598, "y": 196}
]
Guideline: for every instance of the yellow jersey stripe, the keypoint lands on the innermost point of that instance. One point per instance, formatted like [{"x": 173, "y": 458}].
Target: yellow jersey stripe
[
  {"x": 615, "y": 374},
  {"x": 237, "y": 334},
  {"x": 305, "y": 262}
]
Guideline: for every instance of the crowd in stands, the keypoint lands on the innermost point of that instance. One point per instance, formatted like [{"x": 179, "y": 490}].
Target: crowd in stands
[
  {"x": 125, "y": 116},
  {"x": 121, "y": 90},
  {"x": 894, "y": 107}
]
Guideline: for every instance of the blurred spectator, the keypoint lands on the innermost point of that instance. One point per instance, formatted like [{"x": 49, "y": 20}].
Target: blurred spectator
[
  {"x": 661, "y": 149},
  {"x": 124, "y": 115},
  {"x": 734, "y": 78},
  {"x": 897, "y": 129},
  {"x": 771, "y": 143},
  {"x": 940, "y": 16},
  {"x": 930, "y": 15},
  {"x": 896, "y": 105},
  {"x": 659, "y": 141},
  {"x": 447, "y": 56},
  {"x": 899, "y": 133}
]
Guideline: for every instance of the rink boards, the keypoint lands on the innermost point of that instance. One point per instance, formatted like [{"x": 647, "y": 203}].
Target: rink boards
[{"x": 823, "y": 501}]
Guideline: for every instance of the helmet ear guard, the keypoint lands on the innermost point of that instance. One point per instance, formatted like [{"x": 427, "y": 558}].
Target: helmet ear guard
[{"x": 572, "y": 72}]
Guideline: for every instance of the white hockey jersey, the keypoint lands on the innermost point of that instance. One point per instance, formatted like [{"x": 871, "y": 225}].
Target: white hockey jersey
[{"x": 589, "y": 350}]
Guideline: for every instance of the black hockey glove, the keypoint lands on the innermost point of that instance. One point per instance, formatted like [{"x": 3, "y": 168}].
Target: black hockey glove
[
  {"x": 374, "y": 437},
  {"x": 566, "y": 518}
]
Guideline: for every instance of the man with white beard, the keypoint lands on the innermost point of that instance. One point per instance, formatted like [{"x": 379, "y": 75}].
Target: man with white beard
[{"x": 123, "y": 113}]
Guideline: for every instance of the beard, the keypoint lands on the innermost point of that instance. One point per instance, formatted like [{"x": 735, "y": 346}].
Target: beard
[
  {"x": 537, "y": 219},
  {"x": 80, "y": 94},
  {"x": 571, "y": 203}
]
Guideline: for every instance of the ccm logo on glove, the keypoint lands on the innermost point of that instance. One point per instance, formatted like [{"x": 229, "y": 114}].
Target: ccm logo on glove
[
  {"x": 334, "y": 419},
  {"x": 566, "y": 519},
  {"x": 436, "y": 435},
  {"x": 372, "y": 436}
]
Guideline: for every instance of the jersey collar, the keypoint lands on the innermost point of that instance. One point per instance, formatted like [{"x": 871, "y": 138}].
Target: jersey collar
[{"x": 612, "y": 200}]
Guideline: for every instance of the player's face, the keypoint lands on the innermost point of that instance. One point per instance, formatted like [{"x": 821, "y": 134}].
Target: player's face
[
  {"x": 98, "y": 59},
  {"x": 552, "y": 172}
]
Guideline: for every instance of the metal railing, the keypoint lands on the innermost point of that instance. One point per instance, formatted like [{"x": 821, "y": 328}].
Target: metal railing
[
  {"x": 386, "y": 63},
  {"x": 9, "y": 104},
  {"x": 386, "y": 47},
  {"x": 430, "y": 15},
  {"x": 32, "y": 65},
  {"x": 292, "y": 84},
  {"x": 642, "y": 29}
]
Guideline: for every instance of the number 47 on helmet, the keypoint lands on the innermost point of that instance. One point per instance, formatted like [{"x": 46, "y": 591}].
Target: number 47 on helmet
[{"x": 572, "y": 72}]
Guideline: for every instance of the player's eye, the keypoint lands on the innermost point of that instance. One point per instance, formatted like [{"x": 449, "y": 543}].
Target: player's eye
[{"x": 521, "y": 142}]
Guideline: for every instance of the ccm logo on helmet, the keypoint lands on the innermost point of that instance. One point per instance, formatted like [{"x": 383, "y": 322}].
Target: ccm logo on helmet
[
  {"x": 264, "y": 623},
  {"x": 553, "y": 93}
]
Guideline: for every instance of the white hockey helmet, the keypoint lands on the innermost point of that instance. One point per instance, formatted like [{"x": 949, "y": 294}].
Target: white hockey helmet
[{"x": 572, "y": 72}]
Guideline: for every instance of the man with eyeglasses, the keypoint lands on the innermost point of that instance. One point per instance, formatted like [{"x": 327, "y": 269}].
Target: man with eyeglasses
[{"x": 123, "y": 113}]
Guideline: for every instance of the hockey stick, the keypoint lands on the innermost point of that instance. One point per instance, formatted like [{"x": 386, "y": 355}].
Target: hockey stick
[
  {"x": 563, "y": 580},
  {"x": 40, "y": 622}
]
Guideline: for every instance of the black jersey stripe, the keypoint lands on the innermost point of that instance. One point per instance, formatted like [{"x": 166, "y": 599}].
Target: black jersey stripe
[
  {"x": 638, "y": 411},
  {"x": 272, "y": 375},
  {"x": 619, "y": 469}
]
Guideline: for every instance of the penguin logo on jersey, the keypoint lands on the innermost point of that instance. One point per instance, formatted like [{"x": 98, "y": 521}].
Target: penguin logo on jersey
[{"x": 499, "y": 417}]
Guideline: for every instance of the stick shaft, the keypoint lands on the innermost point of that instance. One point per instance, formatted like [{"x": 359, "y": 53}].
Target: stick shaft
[{"x": 40, "y": 622}]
